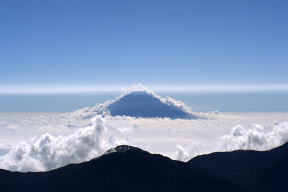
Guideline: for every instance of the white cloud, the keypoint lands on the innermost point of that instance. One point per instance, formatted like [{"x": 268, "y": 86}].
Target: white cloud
[
  {"x": 179, "y": 139},
  {"x": 64, "y": 142},
  {"x": 257, "y": 137},
  {"x": 49, "y": 152}
]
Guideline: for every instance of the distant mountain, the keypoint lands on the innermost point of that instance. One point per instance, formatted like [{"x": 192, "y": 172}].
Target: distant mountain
[
  {"x": 144, "y": 104},
  {"x": 140, "y": 104},
  {"x": 127, "y": 168}
]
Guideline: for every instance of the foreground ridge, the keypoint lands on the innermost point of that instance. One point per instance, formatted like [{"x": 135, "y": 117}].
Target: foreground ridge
[{"x": 127, "y": 168}]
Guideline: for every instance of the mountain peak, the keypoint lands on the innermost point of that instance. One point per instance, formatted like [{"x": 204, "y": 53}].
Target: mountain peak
[
  {"x": 139, "y": 102},
  {"x": 147, "y": 105},
  {"x": 122, "y": 149}
]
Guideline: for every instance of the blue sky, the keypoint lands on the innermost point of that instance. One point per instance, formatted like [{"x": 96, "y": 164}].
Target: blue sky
[{"x": 155, "y": 42}]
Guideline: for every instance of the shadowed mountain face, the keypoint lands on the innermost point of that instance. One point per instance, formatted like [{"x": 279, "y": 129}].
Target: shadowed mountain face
[
  {"x": 143, "y": 104},
  {"x": 122, "y": 169},
  {"x": 127, "y": 168},
  {"x": 252, "y": 170}
]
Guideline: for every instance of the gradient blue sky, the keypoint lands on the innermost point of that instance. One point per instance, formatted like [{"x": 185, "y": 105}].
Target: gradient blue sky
[{"x": 155, "y": 42}]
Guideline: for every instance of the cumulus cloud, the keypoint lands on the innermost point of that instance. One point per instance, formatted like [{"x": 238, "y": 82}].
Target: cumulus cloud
[
  {"x": 181, "y": 154},
  {"x": 179, "y": 139},
  {"x": 257, "y": 137},
  {"x": 187, "y": 152},
  {"x": 50, "y": 152}
]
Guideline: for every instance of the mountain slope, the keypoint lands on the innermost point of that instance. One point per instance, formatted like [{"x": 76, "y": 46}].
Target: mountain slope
[
  {"x": 143, "y": 104},
  {"x": 128, "y": 170},
  {"x": 248, "y": 169},
  {"x": 140, "y": 104}
]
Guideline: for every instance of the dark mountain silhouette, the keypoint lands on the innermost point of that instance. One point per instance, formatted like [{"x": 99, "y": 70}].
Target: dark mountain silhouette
[
  {"x": 127, "y": 168},
  {"x": 252, "y": 170},
  {"x": 144, "y": 104}
]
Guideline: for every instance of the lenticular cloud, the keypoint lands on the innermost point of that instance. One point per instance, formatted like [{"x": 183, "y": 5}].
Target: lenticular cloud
[{"x": 49, "y": 152}]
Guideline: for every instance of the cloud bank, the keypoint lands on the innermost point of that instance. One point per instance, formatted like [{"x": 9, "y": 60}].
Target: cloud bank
[
  {"x": 256, "y": 137},
  {"x": 49, "y": 152}
]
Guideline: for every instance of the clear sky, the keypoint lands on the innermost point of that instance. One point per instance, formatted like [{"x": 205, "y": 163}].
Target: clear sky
[{"x": 155, "y": 42}]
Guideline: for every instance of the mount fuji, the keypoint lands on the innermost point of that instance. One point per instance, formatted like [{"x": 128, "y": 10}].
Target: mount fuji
[
  {"x": 146, "y": 105},
  {"x": 140, "y": 104}
]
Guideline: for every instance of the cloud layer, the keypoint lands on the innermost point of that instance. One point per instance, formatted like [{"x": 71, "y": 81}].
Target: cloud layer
[
  {"x": 255, "y": 137},
  {"x": 49, "y": 152},
  {"x": 179, "y": 139}
]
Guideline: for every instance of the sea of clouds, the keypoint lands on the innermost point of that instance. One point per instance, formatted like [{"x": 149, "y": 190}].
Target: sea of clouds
[
  {"x": 255, "y": 137},
  {"x": 49, "y": 152},
  {"x": 83, "y": 135}
]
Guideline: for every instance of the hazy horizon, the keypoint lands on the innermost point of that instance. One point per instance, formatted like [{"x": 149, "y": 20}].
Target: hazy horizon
[{"x": 263, "y": 101}]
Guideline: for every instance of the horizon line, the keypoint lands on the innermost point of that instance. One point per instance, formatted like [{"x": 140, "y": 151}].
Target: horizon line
[{"x": 164, "y": 88}]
